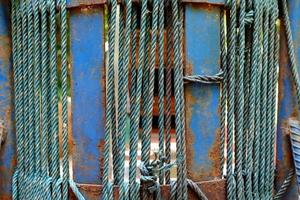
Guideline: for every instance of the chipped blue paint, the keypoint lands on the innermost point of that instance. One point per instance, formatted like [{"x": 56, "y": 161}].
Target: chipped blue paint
[
  {"x": 87, "y": 92},
  {"x": 202, "y": 101}
]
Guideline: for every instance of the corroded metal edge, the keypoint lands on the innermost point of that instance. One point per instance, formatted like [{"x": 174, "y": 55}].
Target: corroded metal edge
[
  {"x": 86, "y": 3},
  {"x": 214, "y": 190}
]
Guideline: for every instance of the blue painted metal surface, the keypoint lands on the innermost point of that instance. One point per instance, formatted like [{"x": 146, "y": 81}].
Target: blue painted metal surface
[
  {"x": 86, "y": 31},
  {"x": 287, "y": 101},
  {"x": 7, "y": 152},
  {"x": 202, "y": 101}
]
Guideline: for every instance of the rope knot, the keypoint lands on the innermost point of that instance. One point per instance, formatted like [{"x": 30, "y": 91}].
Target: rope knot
[
  {"x": 150, "y": 172},
  {"x": 249, "y": 18}
]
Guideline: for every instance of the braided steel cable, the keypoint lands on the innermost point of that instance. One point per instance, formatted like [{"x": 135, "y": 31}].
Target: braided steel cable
[
  {"x": 168, "y": 86},
  {"x": 25, "y": 82},
  {"x": 223, "y": 89},
  {"x": 239, "y": 131},
  {"x": 146, "y": 86},
  {"x": 64, "y": 80},
  {"x": 291, "y": 49},
  {"x": 123, "y": 94},
  {"x": 161, "y": 80},
  {"x": 275, "y": 75},
  {"x": 135, "y": 107},
  {"x": 37, "y": 87},
  {"x": 53, "y": 103},
  {"x": 207, "y": 79},
  {"x": 179, "y": 101},
  {"x": 135, "y": 117},
  {"x": 249, "y": 30},
  {"x": 285, "y": 185},
  {"x": 54, "y": 149},
  {"x": 18, "y": 90},
  {"x": 196, "y": 189},
  {"x": 109, "y": 99},
  {"x": 134, "y": 136},
  {"x": 44, "y": 54},
  {"x": 252, "y": 95},
  {"x": 182, "y": 158},
  {"x": 117, "y": 134},
  {"x": 173, "y": 195},
  {"x": 261, "y": 116},
  {"x": 145, "y": 137},
  {"x": 148, "y": 109},
  {"x": 231, "y": 94},
  {"x": 30, "y": 89},
  {"x": 269, "y": 110}
]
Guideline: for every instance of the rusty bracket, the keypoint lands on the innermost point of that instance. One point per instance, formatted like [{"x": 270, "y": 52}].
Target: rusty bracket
[
  {"x": 87, "y": 3},
  {"x": 215, "y": 189}
]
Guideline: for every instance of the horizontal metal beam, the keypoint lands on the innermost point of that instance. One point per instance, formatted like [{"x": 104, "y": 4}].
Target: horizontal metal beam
[
  {"x": 85, "y": 3},
  {"x": 214, "y": 189}
]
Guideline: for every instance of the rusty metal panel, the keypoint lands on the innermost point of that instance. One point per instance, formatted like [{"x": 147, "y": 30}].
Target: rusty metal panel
[
  {"x": 287, "y": 101},
  {"x": 202, "y": 101},
  {"x": 87, "y": 63},
  {"x": 7, "y": 151},
  {"x": 214, "y": 190}
]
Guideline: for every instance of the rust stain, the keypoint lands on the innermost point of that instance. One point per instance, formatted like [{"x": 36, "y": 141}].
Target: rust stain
[
  {"x": 214, "y": 155},
  {"x": 189, "y": 99},
  {"x": 5, "y": 50},
  {"x": 214, "y": 190}
]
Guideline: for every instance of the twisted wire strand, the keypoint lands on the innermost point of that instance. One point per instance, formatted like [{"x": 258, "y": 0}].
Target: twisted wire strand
[
  {"x": 249, "y": 30},
  {"x": 134, "y": 136},
  {"x": 173, "y": 194},
  {"x": 223, "y": 89},
  {"x": 260, "y": 121},
  {"x": 196, "y": 189},
  {"x": 207, "y": 79},
  {"x": 25, "y": 82},
  {"x": 118, "y": 134},
  {"x": 179, "y": 102},
  {"x": 18, "y": 89},
  {"x": 168, "y": 116},
  {"x": 269, "y": 109},
  {"x": 274, "y": 57},
  {"x": 137, "y": 78},
  {"x": 123, "y": 92},
  {"x": 231, "y": 94},
  {"x": 182, "y": 157},
  {"x": 291, "y": 49},
  {"x": 45, "y": 91},
  {"x": 109, "y": 100},
  {"x": 145, "y": 154},
  {"x": 146, "y": 86},
  {"x": 148, "y": 109},
  {"x": 285, "y": 185},
  {"x": 37, "y": 87},
  {"x": 252, "y": 95},
  {"x": 239, "y": 131},
  {"x": 53, "y": 102},
  {"x": 135, "y": 116},
  {"x": 27, "y": 61},
  {"x": 31, "y": 156},
  {"x": 30, "y": 89},
  {"x": 161, "y": 80},
  {"x": 64, "y": 80}
]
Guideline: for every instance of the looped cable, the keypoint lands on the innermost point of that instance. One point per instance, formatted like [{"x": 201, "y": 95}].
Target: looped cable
[
  {"x": 207, "y": 79},
  {"x": 151, "y": 171}
]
